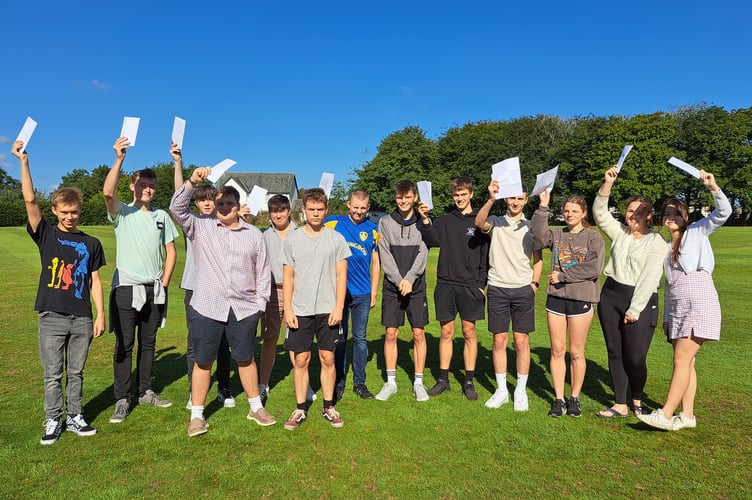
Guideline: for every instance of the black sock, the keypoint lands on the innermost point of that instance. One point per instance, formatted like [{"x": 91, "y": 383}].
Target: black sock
[
  {"x": 444, "y": 375},
  {"x": 302, "y": 406},
  {"x": 469, "y": 375},
  {"x": 328, "y": 403}
]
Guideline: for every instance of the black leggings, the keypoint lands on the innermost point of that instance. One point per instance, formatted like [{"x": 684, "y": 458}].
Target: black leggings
[{"x": 627, "y": 343}]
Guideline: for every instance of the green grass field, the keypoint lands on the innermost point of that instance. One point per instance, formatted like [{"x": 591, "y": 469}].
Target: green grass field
[{"x": 447, "y": 447}]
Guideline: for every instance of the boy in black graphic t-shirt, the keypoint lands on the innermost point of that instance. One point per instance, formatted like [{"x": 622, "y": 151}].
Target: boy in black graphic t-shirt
[{"x": 69, "y": 281}]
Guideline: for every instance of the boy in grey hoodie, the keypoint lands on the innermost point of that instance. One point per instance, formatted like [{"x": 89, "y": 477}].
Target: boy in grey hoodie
[{"x": 403, "y": 258}]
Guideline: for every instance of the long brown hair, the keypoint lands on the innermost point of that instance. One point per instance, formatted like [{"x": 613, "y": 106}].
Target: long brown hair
[{"x": 681, "y": 209}]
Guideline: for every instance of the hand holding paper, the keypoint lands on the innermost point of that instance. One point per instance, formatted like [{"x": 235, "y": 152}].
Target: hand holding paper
[
  {"x": 178, "y": 131},
  {"x": 425, "y": 194},
  {"x": 623, "y": 156},
  {"x": 130, "y": 129},
  {"x": 507, "y": 172},
  {"x": 545, "y": 181},
  {"x": 26, "y": 131}
]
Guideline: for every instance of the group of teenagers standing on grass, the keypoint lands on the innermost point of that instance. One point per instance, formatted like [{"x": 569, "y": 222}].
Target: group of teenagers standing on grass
[{"x": 318, "y": 279}]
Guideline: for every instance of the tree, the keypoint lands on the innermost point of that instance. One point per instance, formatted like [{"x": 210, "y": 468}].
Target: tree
[{"x": 405, "y": 154}]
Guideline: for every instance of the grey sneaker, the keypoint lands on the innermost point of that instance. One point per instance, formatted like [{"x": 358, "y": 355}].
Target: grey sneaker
[
  {"x": 420, "y": 393},
  {"x": 224, "y": 396},
  {"x": 262, "y": 417},
  {"x": 389, "y": 389},
  {"x": 439, "y": 387},
  {"x": 468, "y": 389},
  {"x": 682, "y": 421},
  {"x": 197, "y": 426},
  {"x": 151, "y": 398},
  {"x": 573, "y": 407},
  {"x": 78, "y": 425},
  {"x": 52, "y": 430},
  {"x": 558, "y": 408},
  {"x": 339, "y": 391},
  {"x": 122, "y": 408}
]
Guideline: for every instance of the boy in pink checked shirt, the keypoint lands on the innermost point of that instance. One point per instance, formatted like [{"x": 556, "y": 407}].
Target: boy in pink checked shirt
[{"x": 232, "y": 287}]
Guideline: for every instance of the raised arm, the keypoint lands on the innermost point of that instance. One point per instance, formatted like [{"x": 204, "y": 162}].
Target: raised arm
[
  {"x": 722, "y": 210},
  {"x": 539, "y": 223},
  {"x": 177, "y": 160},
  {"x": 481, "y": 220},
  {"x": 428, "y": 230},
  {"x": 111, "y": 201},
  {"x": 603, "y": 219},
  {"x": 33, "y": 212}
]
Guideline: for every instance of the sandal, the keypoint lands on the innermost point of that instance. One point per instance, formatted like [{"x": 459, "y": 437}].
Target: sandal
[
  {"x": 610, "y": 413},
  {"x": 640, "y": 410}
]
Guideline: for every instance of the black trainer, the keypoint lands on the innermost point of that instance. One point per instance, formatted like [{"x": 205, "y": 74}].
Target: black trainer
[
  {"x": 439, "y": 387},
  {"x": 468, "y": 389},
  {"x": 52, "y": 430},
  {"x": 573, "y": 407},
  {"x": 558, "y": 408},
  {"x": 362, "y": 391}
]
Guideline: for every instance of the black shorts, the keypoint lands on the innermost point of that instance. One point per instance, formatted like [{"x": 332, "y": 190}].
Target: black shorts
[
  {"x": 300, "y": 339},
  {"x": 395, "y": 307},
  {"x": 515, "y": 304},
  {"x": 469, "y": 302},
  {"x": 206, "y": 335},
  {"x": 567, "y": 307}
]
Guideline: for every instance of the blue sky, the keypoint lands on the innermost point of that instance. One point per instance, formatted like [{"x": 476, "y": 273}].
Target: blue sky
[{"x": 305, "y": 88}]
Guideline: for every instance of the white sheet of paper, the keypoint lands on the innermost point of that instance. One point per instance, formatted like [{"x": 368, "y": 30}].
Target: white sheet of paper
[
  {"x": 507, "y": 173},
  {"x": 684, "y": 166},
  {"x": 26, "y": 131},
  {"x": 220, "y": 168},
  {"x": 326, "y": 183},
  {"x": 424, "y": 192},
  {"x": 130, "y": 129},
  {"x": 623, "y": 156},
  {"x": 545, "y": 181},
  {"x": 178, "y": 131},
  {"x": 256, "y": 199}
]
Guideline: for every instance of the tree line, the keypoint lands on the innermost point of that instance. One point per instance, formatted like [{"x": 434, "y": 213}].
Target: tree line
[{"x": 708, "y": 137}]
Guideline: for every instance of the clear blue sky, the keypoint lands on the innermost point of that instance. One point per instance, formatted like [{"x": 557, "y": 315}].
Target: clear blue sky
[{"x": 307, "y": 87}]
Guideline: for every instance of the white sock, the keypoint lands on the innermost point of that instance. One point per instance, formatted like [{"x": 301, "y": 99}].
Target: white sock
[
  {"x": 391, "y": 376},
  {"x": 255, "y": 403},
  {"x": 418, "y": 379},
  {"x": 521, "y": 383},
  {"x": 197, "y": 412},
  {"x": 501, "y": 382}
]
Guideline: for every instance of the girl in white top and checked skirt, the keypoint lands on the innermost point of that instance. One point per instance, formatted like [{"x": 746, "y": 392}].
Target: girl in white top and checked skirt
[{"x": 692, "y": 312}]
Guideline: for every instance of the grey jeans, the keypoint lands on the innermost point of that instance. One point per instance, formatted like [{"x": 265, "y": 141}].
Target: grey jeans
[{"x": 63, "y": 338}]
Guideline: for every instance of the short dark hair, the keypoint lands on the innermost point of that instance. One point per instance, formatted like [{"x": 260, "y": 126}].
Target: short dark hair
[
  {"x": 404, "y": 187},
  {"x": 278, "y": 203},
  {"x": 315, "y": 194},
  {"x": 228, "y": 191},
  {"x": 146, "y": 173},
  {"x": 204, "y": 192}
]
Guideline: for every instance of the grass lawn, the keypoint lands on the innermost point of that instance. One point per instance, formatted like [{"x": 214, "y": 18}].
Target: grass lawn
[{"x": 447, "y": 447}]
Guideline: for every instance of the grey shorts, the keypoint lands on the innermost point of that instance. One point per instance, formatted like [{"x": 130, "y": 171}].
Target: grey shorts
[
  {"x": 449, "y": 300},
  {"x": 515, "y": 304},
  {"x": 300, "y": 339}
]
